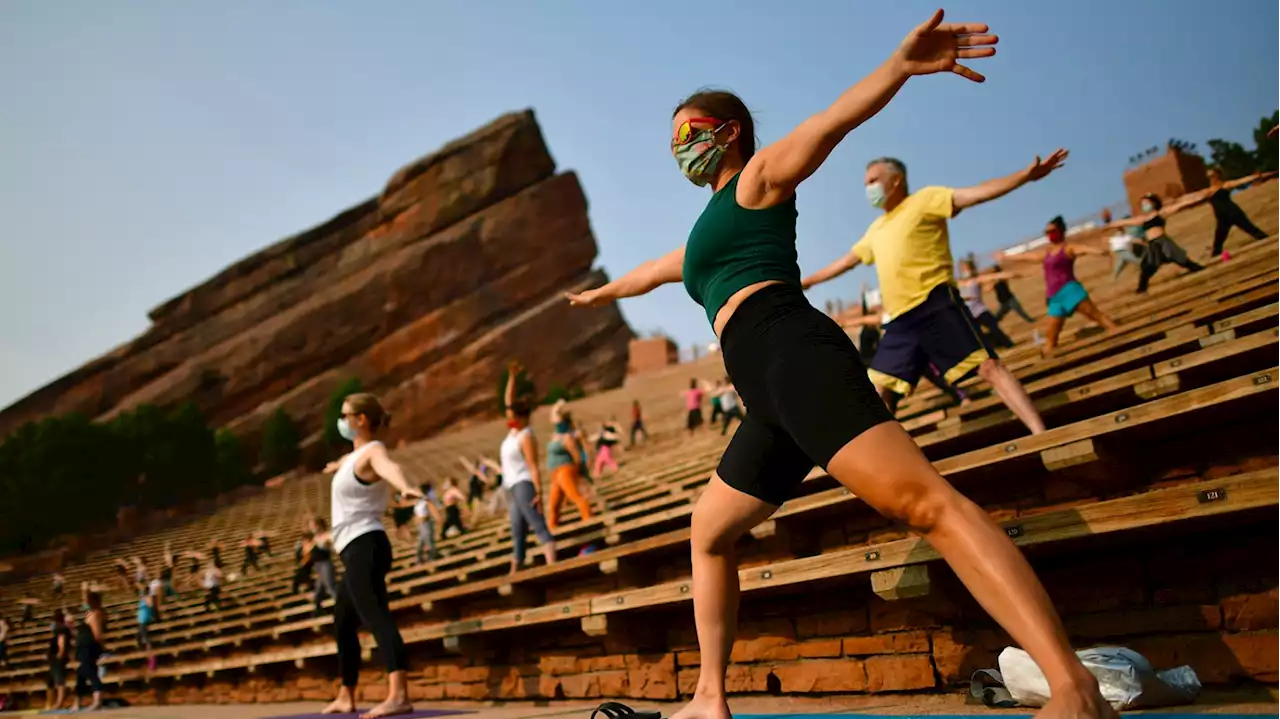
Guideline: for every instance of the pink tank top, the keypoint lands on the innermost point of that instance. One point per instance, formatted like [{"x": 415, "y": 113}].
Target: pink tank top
[
  {"x": 693, "y": 399},
  {"x": 1059, "y": 270}
]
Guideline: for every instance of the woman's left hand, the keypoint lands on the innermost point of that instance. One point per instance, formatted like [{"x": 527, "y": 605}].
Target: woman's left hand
[
  {"x": 937, "y": 47},
  {"x": 589, "y": 298}
]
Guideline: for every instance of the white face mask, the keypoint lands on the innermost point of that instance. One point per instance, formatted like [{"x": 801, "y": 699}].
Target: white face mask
[
  {"x": 1148, "y": 206},
  {"x": 875, "y": 195}
]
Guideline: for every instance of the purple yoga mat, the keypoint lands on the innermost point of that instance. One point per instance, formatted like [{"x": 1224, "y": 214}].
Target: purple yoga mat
[{"x": 419, "y": 714}]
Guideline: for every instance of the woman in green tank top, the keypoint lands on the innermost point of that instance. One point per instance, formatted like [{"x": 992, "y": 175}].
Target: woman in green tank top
[{"x": 806, "y": 392}]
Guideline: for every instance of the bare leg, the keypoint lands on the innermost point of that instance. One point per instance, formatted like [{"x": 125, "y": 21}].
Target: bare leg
[
  {"x": 723, "y": 514},
  {"x": 1090, "y": 310},
  {"x": 397, "y": 701},
  {"x": 1011, "y": 393},
  {"x": 885, "y": 469},
  {"x": 344, "y": 704},
  {"x": 1052, "y": 328}
]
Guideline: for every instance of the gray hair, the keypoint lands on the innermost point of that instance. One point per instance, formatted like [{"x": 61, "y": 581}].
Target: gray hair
[{"x": 894, "y": 164}]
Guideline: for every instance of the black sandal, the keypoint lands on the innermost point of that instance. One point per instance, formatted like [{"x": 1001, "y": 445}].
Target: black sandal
[{"x": 614, "y": 710}]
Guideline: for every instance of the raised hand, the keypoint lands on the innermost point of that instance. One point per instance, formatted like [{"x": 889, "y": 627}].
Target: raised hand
[
  {"x": 938, "y": 47},
  {"x": 589, "y": 298},
  {"x": 1041, "y": 168}
]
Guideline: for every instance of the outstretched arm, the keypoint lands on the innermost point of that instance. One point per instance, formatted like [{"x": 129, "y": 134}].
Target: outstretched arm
[
  {"x": 391, "y": 471},
  {"x": 991, "y": 189},
  {"x": 861, "y": 321},
  {"x": 842, "y": 265},
  {"x": 773, "y": 173},
  {"x": 1028, "y": 256},
  {"x": 987, "y": 279},
  {"x": 645, "y": 278},
  {"x": 509, "y": 394}
]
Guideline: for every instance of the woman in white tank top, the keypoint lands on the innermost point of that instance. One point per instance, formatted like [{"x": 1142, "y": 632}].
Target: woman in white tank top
[
  {"x": 359, "y": 499},
  {"x": 520, "y": 477}
]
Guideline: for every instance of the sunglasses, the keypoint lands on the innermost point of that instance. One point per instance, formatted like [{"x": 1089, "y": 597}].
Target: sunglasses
[{"x": 686, "y": 129}]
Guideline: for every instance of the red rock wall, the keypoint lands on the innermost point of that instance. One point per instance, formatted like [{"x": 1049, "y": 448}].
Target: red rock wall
[
  {"x": 423, "y": 293},
  {"x": 1171, "y": 175},
  {"x": 652, "y": 354}
]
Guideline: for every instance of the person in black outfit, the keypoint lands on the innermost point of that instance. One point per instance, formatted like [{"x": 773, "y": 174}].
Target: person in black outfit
[
  {"x": 1008, "y": 301},
  {"x": 302, "y": 562},
  {"x": 60, "y": 646},
  {"x": 89, "y": 636},
  {"x": 1160, "y": 248},
  {"x": 250, "y": 555},
  {"x": 1226, "y": 212}
]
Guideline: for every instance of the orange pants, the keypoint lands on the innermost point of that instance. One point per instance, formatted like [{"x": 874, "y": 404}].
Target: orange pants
[{"x": 564, "y": 484}]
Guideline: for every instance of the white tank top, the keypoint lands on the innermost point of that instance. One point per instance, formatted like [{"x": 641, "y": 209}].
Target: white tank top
[
  {"x": 356, "y": 508},
  {"x": 515, "y": 469}
]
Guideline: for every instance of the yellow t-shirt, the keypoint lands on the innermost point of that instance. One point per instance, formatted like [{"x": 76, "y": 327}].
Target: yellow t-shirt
[{"x": 910, "y": 248}]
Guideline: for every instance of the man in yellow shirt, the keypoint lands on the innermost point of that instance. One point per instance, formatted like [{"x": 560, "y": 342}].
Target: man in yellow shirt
[{"x": 928, "y": 322}]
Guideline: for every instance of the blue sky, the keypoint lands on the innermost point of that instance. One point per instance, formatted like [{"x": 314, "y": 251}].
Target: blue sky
[{"x": 144, "y": 145}]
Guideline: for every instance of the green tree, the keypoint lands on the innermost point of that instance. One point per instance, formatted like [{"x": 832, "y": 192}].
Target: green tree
[
  {"x": 280, "y": 437},
  {"x": 334, "y": 410},
  {"x": 61, "y": 474},
  {"x": 1231, "y": 159},
  {"x": 232, "y": 469},
  {"x": 525, "y": 389},
  {"x": 1266, "y": 155}
]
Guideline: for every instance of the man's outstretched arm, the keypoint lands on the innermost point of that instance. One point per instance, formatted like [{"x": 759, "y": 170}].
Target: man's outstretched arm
[{"x": 991, "y": 189}]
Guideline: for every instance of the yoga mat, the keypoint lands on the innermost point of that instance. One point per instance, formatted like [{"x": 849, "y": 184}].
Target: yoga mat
[
  {"x": 419, "y": 714},
  {"x": 992, "y": 715}
]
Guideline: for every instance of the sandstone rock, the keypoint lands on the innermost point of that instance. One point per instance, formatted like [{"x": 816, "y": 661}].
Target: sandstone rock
[
  {"x": 900, "y": 642},
  {"x": 899, "y": 672},
  {"x": 1252, "y": 611},
  {"x": 822, "y": 675},
  {"x": 423, "y": 293}
]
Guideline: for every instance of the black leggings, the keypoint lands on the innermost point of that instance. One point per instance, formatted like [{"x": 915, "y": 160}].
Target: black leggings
[
  {"x": 1226, "y": 220},
  {"x": 728, "y": 415},
  {"x": 250, "y": 560},
  {"x": 362, "y": 600},
  {"x": 87, "y": 679},
  {"x": 452, "y": 518},
  {"x": 990, "y": 326},
  {"x": 1012, "y": 305}
]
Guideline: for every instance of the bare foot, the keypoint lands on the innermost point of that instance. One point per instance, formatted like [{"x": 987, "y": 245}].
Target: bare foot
[
  {"x": 1085, "y": 702},
  {"x": 704, "y": 707},
  {"x": 341, "y": 705},
  {"x": 391, "y": 707}
]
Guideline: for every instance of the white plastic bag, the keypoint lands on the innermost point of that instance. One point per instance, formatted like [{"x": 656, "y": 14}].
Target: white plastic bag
[{"x": 1126, "y": 678}]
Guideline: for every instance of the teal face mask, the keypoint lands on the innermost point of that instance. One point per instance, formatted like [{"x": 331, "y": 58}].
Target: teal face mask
[
  {"x": 875, "y": 195},
  {"x": 700, "y": 156},
  {"x": 346, "y": 430}
]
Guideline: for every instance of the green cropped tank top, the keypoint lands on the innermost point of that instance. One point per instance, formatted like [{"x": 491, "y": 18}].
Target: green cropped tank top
[{"x": 731, "y": 247}]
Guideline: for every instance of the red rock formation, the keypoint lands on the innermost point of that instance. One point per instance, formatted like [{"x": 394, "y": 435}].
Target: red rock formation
[{"x": 423, "y": 293}]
